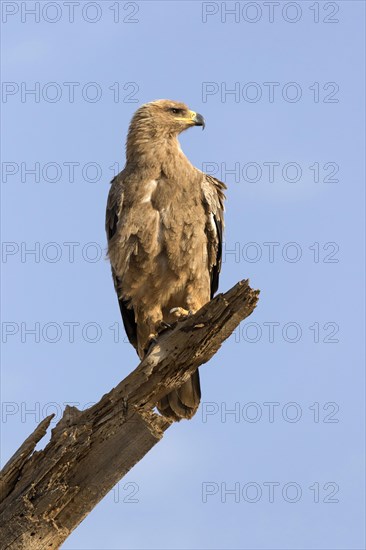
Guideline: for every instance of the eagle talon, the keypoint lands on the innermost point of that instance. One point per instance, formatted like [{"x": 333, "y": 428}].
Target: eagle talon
[
  {"x": 165, "y": 325},
  {"x": 150, "y": 344},
  {"x": 180, "y": 313}
]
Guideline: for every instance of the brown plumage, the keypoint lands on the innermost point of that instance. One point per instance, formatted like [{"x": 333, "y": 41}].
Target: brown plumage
[{"x": 164, "y": 227}]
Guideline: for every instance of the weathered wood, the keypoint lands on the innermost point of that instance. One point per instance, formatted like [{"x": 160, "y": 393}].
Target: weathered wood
[
  {"x": 46, "y": 494},
  {"x": 10, "y": 472}
]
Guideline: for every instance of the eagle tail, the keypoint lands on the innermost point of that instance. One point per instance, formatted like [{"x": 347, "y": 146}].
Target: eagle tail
[{"x": 182, "y": 402}]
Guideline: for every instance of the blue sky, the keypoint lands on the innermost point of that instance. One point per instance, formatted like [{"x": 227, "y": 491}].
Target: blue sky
[{"x": 294, "y": 226}]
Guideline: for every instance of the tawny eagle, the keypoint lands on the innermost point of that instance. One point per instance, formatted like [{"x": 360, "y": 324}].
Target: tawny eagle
[{"x": 164, "y": 226}]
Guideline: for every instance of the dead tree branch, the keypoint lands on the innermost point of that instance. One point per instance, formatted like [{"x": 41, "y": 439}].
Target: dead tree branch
[{"x": 46, "y": 494}]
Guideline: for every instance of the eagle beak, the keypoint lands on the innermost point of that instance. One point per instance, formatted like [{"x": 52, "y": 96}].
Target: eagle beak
[{"x": 197, "y": 119}]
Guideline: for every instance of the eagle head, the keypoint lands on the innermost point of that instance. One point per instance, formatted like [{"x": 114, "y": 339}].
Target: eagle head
[{"x": 164, "y": 117}]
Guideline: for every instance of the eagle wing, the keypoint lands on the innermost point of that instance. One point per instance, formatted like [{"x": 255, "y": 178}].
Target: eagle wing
[
  {"x": 113, "y": 218},
  {"x": 213, "y": 200}
]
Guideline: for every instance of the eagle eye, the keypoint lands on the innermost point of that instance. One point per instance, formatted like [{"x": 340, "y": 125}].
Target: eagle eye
[{"x": 175, "y": 111}]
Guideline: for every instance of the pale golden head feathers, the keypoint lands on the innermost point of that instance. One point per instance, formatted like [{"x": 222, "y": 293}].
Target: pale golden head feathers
[
  {"x": 164, "y": 117},
  {"x": 156, "y": 123}
]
